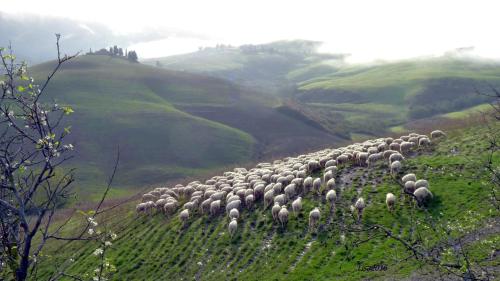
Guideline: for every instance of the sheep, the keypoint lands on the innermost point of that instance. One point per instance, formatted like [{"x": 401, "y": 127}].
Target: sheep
[
  {"x": 170, "y": 207},
  {"x": 409, "y": 177},
  {"x": 360, "y": 206},
  {"x": 205, "y": 206},
  {"x": 395, "y": 146},
  {"x": 317, "y": 185},
  {"x": 189, "y": 206},
  {"x": 297, "y": 205},
  {"x": 234, "y": 214},
  {"x": 290, "y": 191},
  {"x": 421, "y": 183},
  {"x": 278, "y": 187},
  {"x": 258, "y": 191},
  {"x": 141, "y": 207},
  {"x": 423, "y": 195},
  {"x": 314, "y": 217},
  {"x": 268, "y": 198},
  {"x": 184, "y": 216},
  {"x": 396, "y": 167},
  {"x": 406, "y": 147},
  {"x": 249, "y": 200},
  {"x": 361, "y": 158},
  {"x": 313, "y": 166},
  {"x": 342, "y": 159},
  {"x": 233, "y": 225},
  {"x": 437, "y": 134},
  {"x": 308, "y": 184},
  {"x": 330, "y": 184},
  {"x": 275, "y": 210},
  {"x": 390, "y": 200},
  {"x": 330, "y": 163},
  {"x": 424, "y": 142},
  {"x": 233, "y": 205},
  {"x": 331, "y": 196},
  {"x": 373, "y": 158},
  {"x": 396, "y": 157},
  {"x": 328, "y": 175},
  {"x": 388, "y": 153},
  {"x": 215, "y": 207},
  {"x": 148, "y": 197},
  {"x": 281, "y": 199},
  {"x": 409, "y": 187},
  {"x": 283, "y": 216}
]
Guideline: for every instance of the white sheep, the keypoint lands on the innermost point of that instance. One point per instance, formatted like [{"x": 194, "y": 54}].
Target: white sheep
[
  {"x": 249, "y": 200},
  {"x": 406, "y": 147},
  {"x": 424, "y": 142},
  {"x": 308, "y": 184},
  {"x": 409, "y": 187},
  {"x": 422, "y": 183},
  {"x": 331, "y": 196},
  {"x": 290, "y": 191},
  {"x": 437, "y": 134},
  {"x": 297, "y": 205},
  {"x": 234, "y": 214},
  {"x": 396, "y": 157},
  {"x": 283, "y": 216},
  {"x": 390, "y": 201},
  {"x": 314, "y": 217},
  {"x": 396, "y": 167},
  {"x": 233, "y": 205},
  {"x": 423, "y": 195},
  {"x": 317, "y": 185},
  {"x": 327, "y": 176},
  {"x": 215, "y": 207},
  {"x": 409, "y": 177},
  {"x": 275, "y": 210},
  {"x": 330, "y": 184},
  {"x": 184, "y": 215},
  {"x": 280, "y": 199},
  {"x": 268, "y": 198},
  {"x": 233, "y": 225},
  {"x": 360, "y": 206},
  {"x": 205, "y": 206}
]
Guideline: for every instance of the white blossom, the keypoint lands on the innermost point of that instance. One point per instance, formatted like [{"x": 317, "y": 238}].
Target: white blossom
[
  {"x": 108, "y": 243},
  {"x": 98, "y": 252}
]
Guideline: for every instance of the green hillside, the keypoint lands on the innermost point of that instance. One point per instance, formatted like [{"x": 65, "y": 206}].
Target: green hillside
[
  {"x": 365, "y": 98},
  {"x": 154, "y": 116},
  {"x": 159, "y": 248}
]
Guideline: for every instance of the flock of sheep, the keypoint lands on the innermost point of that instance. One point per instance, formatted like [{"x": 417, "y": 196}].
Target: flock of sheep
[{"x": 288, "y": 180}]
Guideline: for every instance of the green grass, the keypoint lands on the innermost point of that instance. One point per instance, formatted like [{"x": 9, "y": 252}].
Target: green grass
[
  {"x": 151, "y": 248},
  {"x": 466, "y": 112}
]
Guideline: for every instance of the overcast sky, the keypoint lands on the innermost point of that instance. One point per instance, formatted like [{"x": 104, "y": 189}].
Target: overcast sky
[{"x": 372, "y": 29}]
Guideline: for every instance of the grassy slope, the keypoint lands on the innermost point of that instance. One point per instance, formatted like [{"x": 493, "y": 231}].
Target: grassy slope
[
  {"x": 158, "y": 248},
  {"x": 131, "y": 105}
]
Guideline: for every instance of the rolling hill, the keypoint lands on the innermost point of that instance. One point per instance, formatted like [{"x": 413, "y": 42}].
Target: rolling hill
[
  {"x": 168, "y": 124},
  {"x": 367, "y": 99},
  {"x": 155, "y": 247}
]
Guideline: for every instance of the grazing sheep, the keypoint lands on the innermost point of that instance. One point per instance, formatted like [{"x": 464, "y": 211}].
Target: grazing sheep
[
  {"x": 278, "y": 187},
  {"x": 205, "y": 206},
  {"x": 406, "y": 147},
  {"x": 268, "y": 198},
  {"x": 297, "y": 205},
  {"x": 215, "y": 207},
  {"x": 234, "y": 214},
  {"x": 331, "y": 196},
  {"x": 395, "y": 146},
  {"x": 330, "y": 163},
  {"x": 233, "y": 205},
  {"x": 330, "y": 184},
  {"x": 281, "y": 199},
  {"x": 249, "y": 200},
  {"x": 283, "y": 216},
  {"x": 148, "y": 197},
  {"x": 423, "y": 195},
  {"x": 409, "y": 177},
  {"x": 233, "y": 225},
  {"x": 170, "y": 207},
  {"x": 290, "y": 191},
  {"x": 396, "y": 157},
  {"x": 308, "y": 184},
  {"x": 184, "y": 215},
  {"x": 361, "y": 158},
  {"x": 437, "y": 134},
  {"x": 388, "y": 154},
  {"x": 275, "y": 210},
  {"x": 314, "y": 217},
  {"x": 316, "y": 185},
  {"x": 373, "y": 158},
  {"x": 422, "y": 183},
  {"x": 190, "y": 206},
  {"x": 360, "y": 206},
  {"x": 141, "y": 207},
  {"x": 424, "y": 142},
  {"x": 313, "y": 166},
  {"x": 342, "y": 159},
  {"x": 258, "y": 191},
  {"x": 390, "y": 200},
  {"x": 328, "y": 175},
  {"x": 396, "y": 167},
  {"x": 409, "y": 187}
]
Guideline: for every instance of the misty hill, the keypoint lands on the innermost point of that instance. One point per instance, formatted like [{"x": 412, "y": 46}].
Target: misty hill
[
  {"x": 168, "y": 124},
  {"x": 366, "y": 98},
  {"x": 261, "y": 67}
]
